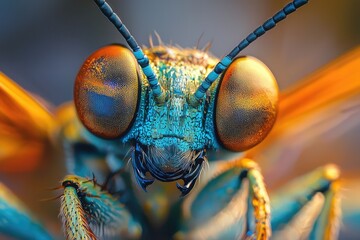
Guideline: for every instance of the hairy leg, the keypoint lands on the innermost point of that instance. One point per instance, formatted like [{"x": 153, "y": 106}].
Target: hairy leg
[{"x": 88, "y": 212}]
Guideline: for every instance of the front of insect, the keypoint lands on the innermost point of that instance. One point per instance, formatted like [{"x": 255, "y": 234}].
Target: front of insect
[
  {"x": 170, "y": 113},
  {"x": 170, "y": 137},
  {"x": 174, "y": 110}
]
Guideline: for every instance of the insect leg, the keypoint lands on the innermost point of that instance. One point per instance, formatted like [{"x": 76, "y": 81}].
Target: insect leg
[
  {"x": 231, "y": 203},
  {"x": 15, "y": 219},
  {"x": 308, "y": 207},
  {"x": 89, "y": 212}
]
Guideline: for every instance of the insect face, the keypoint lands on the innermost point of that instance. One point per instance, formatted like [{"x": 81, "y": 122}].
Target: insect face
[
  {"x": 170, "y": 138},
  {"x": 187, "y": 103},
  {"x": 174, "y": 134}
]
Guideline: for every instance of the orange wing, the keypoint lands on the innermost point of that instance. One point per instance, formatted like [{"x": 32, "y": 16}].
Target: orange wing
[
  {"x": 25, "y": 127},
  {"x": 315, "y": 106}
]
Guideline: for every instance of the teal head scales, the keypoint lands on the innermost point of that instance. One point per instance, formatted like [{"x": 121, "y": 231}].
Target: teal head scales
[
  {"x": 172, "y": 105},
  {"x": 172, "y": 137}
]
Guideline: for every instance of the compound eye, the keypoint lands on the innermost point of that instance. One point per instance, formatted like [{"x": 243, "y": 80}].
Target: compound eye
[
  {"x": 107, "y": 91},
  {"x": 246, "y": 104}
]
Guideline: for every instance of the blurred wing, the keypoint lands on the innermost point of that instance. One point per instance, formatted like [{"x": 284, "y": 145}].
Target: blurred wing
[
  {"x": 25, "y": 127},
  {"x": 315, "y": 106}
]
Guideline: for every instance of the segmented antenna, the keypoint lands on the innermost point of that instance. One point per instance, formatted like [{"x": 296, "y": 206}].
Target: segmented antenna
[
  {"x": 141, "y": 58},
  {"x": 225, "y": 62}
]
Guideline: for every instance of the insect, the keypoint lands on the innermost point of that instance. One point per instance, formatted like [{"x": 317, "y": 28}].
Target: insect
[{"x": 90, "y": 198}]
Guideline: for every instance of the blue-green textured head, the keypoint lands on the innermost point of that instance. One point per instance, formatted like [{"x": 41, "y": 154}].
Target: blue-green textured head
[
  {"x": 174, "y": 123},
  {"x": 171, "y": 133},
  {"x": 180, "y": 104}
]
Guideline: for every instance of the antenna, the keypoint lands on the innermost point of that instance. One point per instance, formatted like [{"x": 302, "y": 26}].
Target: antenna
[
  {"x": 225, "y": 62},
  {"x": 141, "y": 58}
]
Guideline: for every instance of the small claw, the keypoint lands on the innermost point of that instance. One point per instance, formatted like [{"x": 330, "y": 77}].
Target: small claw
[
  {"x": 140, "y": 169},
  {"x": 194, "y": 173},
  {"x": 191, "y": 177},
  {"x": 186, "y": 188},
  {"x": 143, "y": 182}
]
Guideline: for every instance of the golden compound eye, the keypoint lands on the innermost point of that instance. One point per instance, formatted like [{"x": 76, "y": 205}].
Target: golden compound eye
[
  {"x": 246, "y": 104},
  {"x": 107, "y": 91}
]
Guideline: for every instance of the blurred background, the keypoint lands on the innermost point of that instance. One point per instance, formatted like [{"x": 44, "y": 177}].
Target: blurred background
[{"x": 43, "y": 44}]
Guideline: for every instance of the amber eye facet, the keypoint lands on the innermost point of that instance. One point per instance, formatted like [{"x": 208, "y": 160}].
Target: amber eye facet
[
  {"x": 246, "y": 104},
  {"x": 107, "y": 91}
]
